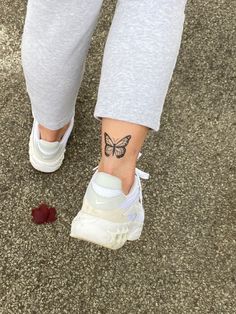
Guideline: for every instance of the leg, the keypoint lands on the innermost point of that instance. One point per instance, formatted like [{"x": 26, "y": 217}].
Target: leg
[
  {"x": 55, "y": 42},
  {"x": 139, "y": 59},
  {"x": 123, "y": 167},
  {"x": 140, "y": 55}
]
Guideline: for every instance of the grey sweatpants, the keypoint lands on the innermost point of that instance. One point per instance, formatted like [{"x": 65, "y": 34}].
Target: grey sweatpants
[{"x": 138, "y": 63}]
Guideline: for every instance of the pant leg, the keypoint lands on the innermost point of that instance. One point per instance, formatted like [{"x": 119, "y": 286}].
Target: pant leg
[
  {"x": 139, "y": 58},
  {"x": 54, "y": 46}
]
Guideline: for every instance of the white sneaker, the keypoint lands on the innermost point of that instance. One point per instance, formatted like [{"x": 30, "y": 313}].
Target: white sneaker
[
  {"x": 47, "y": 156},
  {"x": 109, "y": 217}
]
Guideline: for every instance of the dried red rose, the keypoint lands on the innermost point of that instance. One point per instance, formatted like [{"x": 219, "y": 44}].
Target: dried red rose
[{"x": 43, "y": 214}]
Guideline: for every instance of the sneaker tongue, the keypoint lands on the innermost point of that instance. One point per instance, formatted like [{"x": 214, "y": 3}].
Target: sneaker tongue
[{"x": 108, "y": 181}]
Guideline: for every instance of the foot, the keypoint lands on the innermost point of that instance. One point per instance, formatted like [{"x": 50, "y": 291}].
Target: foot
[
  {"x": 109, "y": 217},
  {"x": 126, "y": 173},
  {"x": 46, "y": 155}
]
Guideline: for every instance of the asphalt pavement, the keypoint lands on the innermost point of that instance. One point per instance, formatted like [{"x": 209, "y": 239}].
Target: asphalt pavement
[{"x": 185, "y": 260}]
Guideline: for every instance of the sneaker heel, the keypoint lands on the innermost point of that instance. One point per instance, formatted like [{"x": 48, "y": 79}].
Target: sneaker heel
[{"x": 135, "y": 233}]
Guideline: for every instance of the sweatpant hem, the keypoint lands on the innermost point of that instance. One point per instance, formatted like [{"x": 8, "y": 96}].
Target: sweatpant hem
[
  {"x": 98, "y": 115},
  {"x": 53, "y": 126}
]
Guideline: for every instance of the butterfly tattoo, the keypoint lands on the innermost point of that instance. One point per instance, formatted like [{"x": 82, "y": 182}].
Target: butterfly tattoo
[{"x": 116, "y": 148}]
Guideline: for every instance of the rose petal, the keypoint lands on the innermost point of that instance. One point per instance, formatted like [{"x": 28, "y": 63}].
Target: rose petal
[
  {"x": 43, "y": 214},
  {"x": 40, "y": 214},
  {"x": 52, "y": 214},
  {"x": 44, "y": 209}
]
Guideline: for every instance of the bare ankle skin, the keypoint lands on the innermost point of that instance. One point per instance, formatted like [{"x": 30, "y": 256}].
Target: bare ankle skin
[
  {"x": 52, "y": 135},
  {"x": 125, "y": 172},
  {"x": 120, "y": 145}
]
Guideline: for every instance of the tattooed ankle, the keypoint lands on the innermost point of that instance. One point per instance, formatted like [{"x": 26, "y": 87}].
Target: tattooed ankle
[{"x": 115, "y": 147}]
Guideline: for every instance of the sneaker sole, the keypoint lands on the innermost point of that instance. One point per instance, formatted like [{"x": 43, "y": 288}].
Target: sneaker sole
[{"x": 112, "y": 235}]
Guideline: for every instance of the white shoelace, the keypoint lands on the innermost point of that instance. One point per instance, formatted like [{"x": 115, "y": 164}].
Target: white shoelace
[
  {"x": 140, "y": 175},
  {"x": 143, "y": 175}
]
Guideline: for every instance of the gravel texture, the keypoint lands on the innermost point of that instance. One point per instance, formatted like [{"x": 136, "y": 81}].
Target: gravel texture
[{"x": 185, "y": 260}]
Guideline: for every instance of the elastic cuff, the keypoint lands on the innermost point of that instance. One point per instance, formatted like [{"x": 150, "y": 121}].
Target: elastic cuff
[
  {"x": 53, "y": 125},
  {"x": 152, "y": 127}
]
